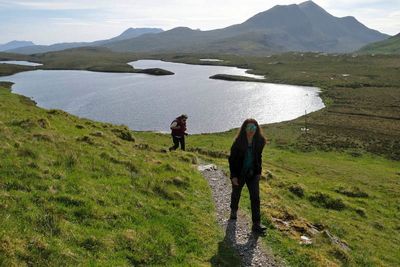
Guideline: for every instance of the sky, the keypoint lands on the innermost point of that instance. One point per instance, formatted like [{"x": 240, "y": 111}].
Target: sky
[{"x": 47, "y": 22}]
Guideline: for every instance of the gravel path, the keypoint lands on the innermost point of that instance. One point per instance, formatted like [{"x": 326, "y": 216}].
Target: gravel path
[{"x": 237, "y": 232}]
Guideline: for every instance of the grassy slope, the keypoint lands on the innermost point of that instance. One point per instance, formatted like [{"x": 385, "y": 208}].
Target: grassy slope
[
  {"x": 328, "y": 164},
  {"x": 388, "y": 46},
  {"x": 369, "y": 225},
  {"x": 73, "y": 191}
]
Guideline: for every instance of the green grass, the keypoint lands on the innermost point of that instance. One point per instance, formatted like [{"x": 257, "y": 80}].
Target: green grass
[
  {"x": 387, "y": 47},
  {"x": 354, "y": 197},
  {"x": 78, "y": 192},
  {"x": 342, "y": 177}
]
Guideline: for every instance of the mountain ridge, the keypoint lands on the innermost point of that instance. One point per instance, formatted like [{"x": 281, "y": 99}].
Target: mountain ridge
[
  {"x": 127, "y": 34},
  {"x": 15, "y": 44},
  {"x": 305, "y": 27}
]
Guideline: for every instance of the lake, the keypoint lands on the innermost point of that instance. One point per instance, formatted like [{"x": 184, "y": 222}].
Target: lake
[
  {"x": 146, "y": 102},
  {"x": 21, "y": 62}
]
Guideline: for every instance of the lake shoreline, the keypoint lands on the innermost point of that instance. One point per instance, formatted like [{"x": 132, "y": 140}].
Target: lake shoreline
[
  {"x": 201, "y": 90},
  {"x": 347, "y": 95}
]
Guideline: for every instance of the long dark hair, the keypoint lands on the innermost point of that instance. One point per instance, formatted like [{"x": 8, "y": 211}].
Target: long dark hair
[{"x": 258, "y": 140}]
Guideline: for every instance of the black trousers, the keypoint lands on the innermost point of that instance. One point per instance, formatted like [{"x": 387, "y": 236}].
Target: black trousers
[
  {"x": 253, "y": 184},
  {"x": 178, "y": 140}
]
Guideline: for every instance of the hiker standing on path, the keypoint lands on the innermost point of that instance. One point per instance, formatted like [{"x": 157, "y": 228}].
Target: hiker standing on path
[
  {"x": 178, "y": 128},
  {"x": 245, "y": 168}
]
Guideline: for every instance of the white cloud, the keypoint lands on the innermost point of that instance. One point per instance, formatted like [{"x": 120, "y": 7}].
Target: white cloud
[
  {"x": 112, "y": 17},
  {"x": 46, "y": 5}
]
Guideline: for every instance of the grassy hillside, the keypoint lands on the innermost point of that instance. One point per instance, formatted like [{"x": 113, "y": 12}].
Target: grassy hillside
[
  {"x": 353, "y": 198},
  {"x": 78, "y": 192},
  {"x": 388, "y": 47},
  {"x": 339, "y": 184}
]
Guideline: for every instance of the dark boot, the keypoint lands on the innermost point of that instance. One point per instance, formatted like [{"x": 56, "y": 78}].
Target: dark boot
[
  {"x": 233, "y": 215},
  {"x": 258, "y": 228}
]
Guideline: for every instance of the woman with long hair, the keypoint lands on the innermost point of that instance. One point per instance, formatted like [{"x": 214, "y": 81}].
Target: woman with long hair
[{"x": 245, "y": 164}]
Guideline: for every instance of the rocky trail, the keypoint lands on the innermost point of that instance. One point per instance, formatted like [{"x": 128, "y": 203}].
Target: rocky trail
[{"x": 238, "y": 234}]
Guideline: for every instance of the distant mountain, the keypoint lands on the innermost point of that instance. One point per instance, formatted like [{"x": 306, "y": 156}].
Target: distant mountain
[
  {"x": 36, "y": 49},
  {"x": 15, "y": 44},
  {"x": 127, "y": 34},
  {"x": 388, "y": 46},
  {"x": 303, "y": 27},
  {"x": 132, "y": 33}
]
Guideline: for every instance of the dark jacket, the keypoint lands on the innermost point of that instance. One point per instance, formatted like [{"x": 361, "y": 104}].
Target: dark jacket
[
  {"x": 236, "y": 159},
  {"x": 181, "y": 131}
]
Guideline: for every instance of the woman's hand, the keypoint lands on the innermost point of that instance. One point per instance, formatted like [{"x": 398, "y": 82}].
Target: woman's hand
[{"x": 235, "y": 181}]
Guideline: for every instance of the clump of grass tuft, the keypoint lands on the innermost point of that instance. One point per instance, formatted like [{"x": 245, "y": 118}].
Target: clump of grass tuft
[
  {"x": 92, "y": 244},
  {"x": 190, "y": 158},
  {"x": 353, "y": 191},
  {"x": 210, "y": 153},
  {"x": 129, "y": 164},
  {"x": 43, "y": 123},
  {"x": 27, "y": 153},
  {"x": 327, "y": 201},
  {"x": 86, "y": 139},
  {"x": 129, "y": 239},
  {"x": 97, "y": 134},
  {"x": 178, "y": 181},
  {"x": 178, "y": 195},
  {"x": 361, "y": 212},
  {"x": 25, "y": 124},
  {"x": 341, "y": 255},
  {"x": 39, "y": 251},
  {"x": 165, "y": 193},
  {"x": 84, "y": 214},
  {"x": 142, "y": 146},
  {"x": 58, "y": 175},
  {"x": 57, "y": 112},
  {"x": 69, "y": 201},
  {"x": 378, "y": 226},
  {"x": 48, "y": 224},
  {"x": 17, "y": 185},
  {"x": 168, "y": 167},
  {"x": 124, "y": 134},
  {"x": 43, "y": 137},
  {"x": 297, "y": 190},
  {"x": 33, "y": 165},
  {"x": 71, "y": 160}
]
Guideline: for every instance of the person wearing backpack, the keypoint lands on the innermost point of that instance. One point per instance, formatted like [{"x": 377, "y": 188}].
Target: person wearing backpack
[
  {"x": 178, "y": 132},
  {"x": 245, "y": 164}
]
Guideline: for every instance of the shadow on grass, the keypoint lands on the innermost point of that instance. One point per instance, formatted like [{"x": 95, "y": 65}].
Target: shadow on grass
[{"x": 229, "y": 249}]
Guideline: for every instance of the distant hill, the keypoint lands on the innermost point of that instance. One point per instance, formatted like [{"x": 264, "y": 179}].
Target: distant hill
[
  {"x": 127, "y": 34},
  {"x": 388, "y": 46},
  {"x": 303, "y": 27},
  {"x": 15, "y": 44},
  {"x": 132, "y": 33}
]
